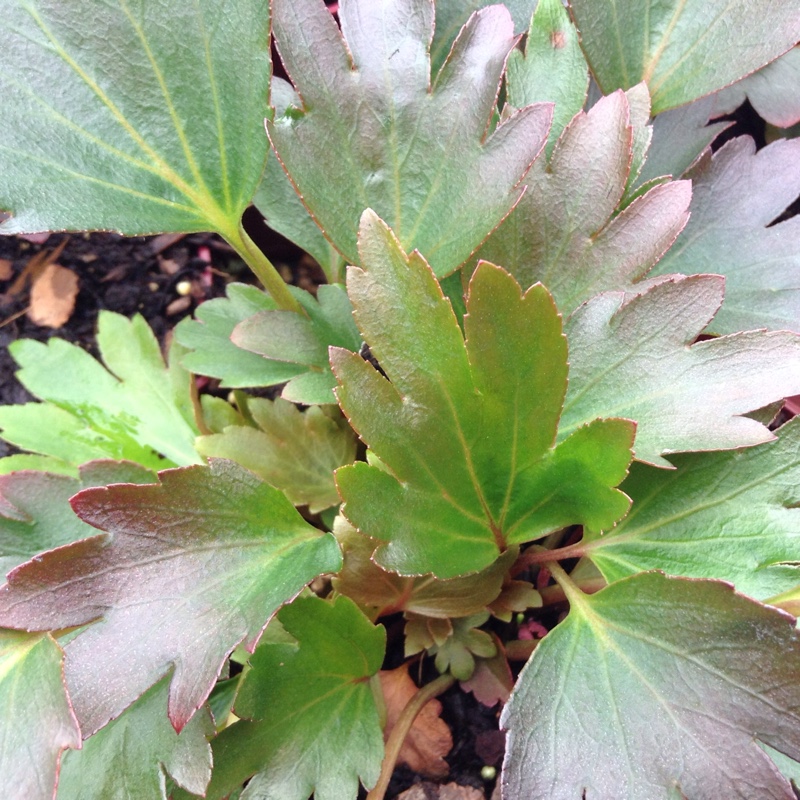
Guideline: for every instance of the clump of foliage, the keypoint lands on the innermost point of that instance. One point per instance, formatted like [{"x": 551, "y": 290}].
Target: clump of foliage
[{"x": 559, "y": 326}]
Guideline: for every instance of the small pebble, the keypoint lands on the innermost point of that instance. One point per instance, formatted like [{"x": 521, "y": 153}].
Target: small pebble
[{"x": 179, "y": 306}]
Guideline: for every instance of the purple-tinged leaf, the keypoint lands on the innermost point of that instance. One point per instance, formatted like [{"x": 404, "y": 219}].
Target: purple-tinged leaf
[
  {"x": 641, "y": 135},
  {"x": 683, "y": 49},
  {"x": 129, "y": 757},
  {"x": 35, "y": 514},
  {"x": 374, "y": 131},
  {"x": 38, "y": 723},
  {"x": 282, "y": 207},
  {"x": 774, "y": 91},
  {"x": 634, "y": 357},
  {"x": 680, "y": 137},
  {"x": 382, "y": 592},
  {"x": 194, "y": 566},
  {"x": 565, "y": 231},
  {"x": 465, "y": 430},
  {"x": 653, "y": 686},
  {"x": 737, "y": 195}
]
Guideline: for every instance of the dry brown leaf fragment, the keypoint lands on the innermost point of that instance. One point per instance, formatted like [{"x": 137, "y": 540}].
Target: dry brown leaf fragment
[
  {"x": 53, "y": 296},
  {"x": 429, "y": 739},
  {"x": 34, "y": 268},
  {"x": 179, "y": 305},
  {"x": 6, "y": 269}
]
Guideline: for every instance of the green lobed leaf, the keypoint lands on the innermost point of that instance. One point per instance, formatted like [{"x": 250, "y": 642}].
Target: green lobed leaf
[
  {"x": 634, "y": 357},
  {"x": 131, "y": 117},
  {"x": 129, "y": 756},
  {"x": 192, "y": 567},
  {"x": 35, "y": 514},
  {"x": 311, "y": 721},
  {"x": 656, "y": 688},
  {"x": 552, "y": 68},
  {"x": 220, "y": 701},
  {"x": 295, "y": 451},
  {"x": 211, "y": 351},
  {"x": 737, "y": 195},
  {"x": 566, "y": 233},
  {"x": 374, "y": 131},
  {"x": 218, "y": 414},
  {"x": 774, "y": 91},
  {"x": 38, "y": 721},
  {"x": 683, "y": 49},
  {"x": 456, "y": 653},
  {"x": 789, "y": 768},
  {"x": 302, "y": 341},
  {"x": 26, "y": 461},
  {"x": 465, "y": 431},
  {"x": 133, "y": 409},
  {"x": 718, "y": 515},
  {"x": 452, "y": 15}
]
